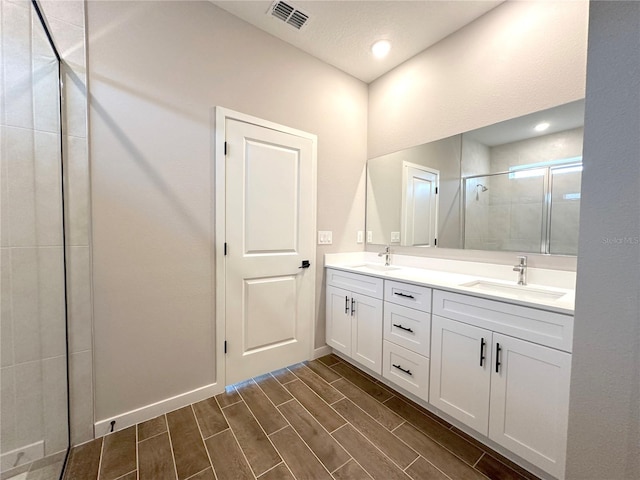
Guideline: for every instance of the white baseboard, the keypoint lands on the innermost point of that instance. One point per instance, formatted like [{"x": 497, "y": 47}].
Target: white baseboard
[
  {"x": 322, "y": 351},
  {"x": 142, "y": 414},
  {"x": 21, "y": 456}
]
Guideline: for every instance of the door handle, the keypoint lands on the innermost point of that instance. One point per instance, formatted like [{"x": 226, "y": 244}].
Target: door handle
[
  {"x": 498, "y": 349},
  {"x": 353, "y": 306},
  {"x": 346, "y": 304},
  {"x": 482, "y": 345},
  {"x": 305, "y": 264}
]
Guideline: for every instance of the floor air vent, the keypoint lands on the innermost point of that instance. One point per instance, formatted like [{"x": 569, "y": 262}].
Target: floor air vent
[{"x": 289, "y": 14}]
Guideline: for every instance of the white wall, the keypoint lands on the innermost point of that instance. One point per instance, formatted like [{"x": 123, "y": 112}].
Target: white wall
[
  {"x": 604, "y": 419},
  {"x": 155, "y": 71},
  {"x": 518, "y": 58}
]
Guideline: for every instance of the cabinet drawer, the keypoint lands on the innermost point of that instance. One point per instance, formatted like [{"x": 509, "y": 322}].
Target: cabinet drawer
[
  {"x": 407, "y": 327},
  {"x": 364, "y": 284},
  {"x": 412, "y": 296},
  {"x": 406, "y": 369},
  {"x": 545, "y": 328}
]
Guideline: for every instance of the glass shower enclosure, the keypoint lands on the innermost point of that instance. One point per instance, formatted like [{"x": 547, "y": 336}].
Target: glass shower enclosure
[{"x": 34, "y": 427}]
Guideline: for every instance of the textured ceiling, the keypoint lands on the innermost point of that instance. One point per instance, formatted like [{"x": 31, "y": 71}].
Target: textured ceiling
[{"x": 341, "y": 33}]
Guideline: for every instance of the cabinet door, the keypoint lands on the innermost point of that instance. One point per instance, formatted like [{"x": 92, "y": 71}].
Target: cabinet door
[
  {"x": 366, "y": 333},
  {"x": 460, "y": 379},
  {"x": 339, "y": 319},
  {"x": 530, "y": 402}
]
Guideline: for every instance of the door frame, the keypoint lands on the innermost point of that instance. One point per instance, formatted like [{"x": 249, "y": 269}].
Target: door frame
[
  {"x": 219, "y": 117},
  {"x": 403, "y": 214}
]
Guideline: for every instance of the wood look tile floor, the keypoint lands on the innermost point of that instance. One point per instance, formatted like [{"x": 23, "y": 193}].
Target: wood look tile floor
[{"x": 322, "y": 419}]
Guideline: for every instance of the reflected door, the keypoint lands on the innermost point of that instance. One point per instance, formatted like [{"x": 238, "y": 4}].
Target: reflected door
[
  {"x": 419, "y": 206},
  {"x": 270, "y": 208}
]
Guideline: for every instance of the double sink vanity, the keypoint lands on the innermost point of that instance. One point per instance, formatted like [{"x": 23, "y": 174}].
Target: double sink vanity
[{"x": 464, "y": 340}]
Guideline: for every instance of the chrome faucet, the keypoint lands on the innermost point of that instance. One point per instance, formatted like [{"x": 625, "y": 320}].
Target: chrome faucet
[
  {"x": 521, "y": 268},
  {"x": 387, "y": 256}
]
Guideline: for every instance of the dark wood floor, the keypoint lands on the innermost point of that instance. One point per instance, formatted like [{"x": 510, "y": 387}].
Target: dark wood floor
[{"x": 323, "y": 419}]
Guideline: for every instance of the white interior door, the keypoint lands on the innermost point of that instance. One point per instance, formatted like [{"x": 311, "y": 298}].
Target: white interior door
[
  {"x": 419, "y": 206},
  {"x": 270, "y": 225}
]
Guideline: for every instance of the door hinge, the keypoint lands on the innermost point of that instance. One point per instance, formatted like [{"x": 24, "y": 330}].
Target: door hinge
[
  {"x": 225, "y": 346},
  {"x": 435, "y": 241},
  {"x": 225, "y": 148},
  {"x": 225, "y": 248},
  {"x": 436, "y": 187}
]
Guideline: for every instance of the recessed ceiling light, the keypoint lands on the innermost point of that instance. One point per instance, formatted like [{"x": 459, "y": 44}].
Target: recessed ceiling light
[
  {"x": 381, "y": 48},
  {"x": 541, "y": 127}
]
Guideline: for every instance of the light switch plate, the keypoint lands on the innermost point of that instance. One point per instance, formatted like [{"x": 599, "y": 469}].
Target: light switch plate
[
  {"x": 369, "y": 236},
  {"x": 395, "y": 237},
  {"x": 325, "y": 237},
  {"x": 360, "y": 237}
]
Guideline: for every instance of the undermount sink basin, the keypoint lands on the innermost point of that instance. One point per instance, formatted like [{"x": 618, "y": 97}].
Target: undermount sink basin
[
  {"x": 523, "y": 292},
  {"x": 376, "y": 266}
]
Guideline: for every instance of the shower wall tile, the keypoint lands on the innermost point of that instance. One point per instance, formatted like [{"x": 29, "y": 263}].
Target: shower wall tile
[
  {"x": 29, "y": 403},
  {"x": 44, "y": 85},
  {"x": 526, "y": 222},
  {"x": 79, "y": 297},
  {"x": 51, "y": 301},
  {"x": 81, "y": 398},
  {"x": 47, "y": 189},
  {"x": 19, "y": 152},
  {"x": 6, "y": 320},
  {"x": 69, "y": 40},
  {"x": 24, "y": 295},
  {"x": 77, "y": 199},
  {"x": 7, "y": 409},
  {"x": 16, "y": 42},
  {"x": 54, "y": 376},
  {"x": 4, "y": 190}
]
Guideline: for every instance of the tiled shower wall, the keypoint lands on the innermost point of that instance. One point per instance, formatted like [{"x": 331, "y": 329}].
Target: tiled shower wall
[{"x": 31, "y": 236}]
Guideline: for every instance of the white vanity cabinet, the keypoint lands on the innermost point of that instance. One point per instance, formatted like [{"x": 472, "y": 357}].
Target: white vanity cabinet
[
  {"x": 354, "y": 317},
  {"x": 407, "y": 333},
  {"x": 513, "y": 390}
]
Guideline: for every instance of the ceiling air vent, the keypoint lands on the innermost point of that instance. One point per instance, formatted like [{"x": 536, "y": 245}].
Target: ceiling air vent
[{"x": 289, "y": 14}]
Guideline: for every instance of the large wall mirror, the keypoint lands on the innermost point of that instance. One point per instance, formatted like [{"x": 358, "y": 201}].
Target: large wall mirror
[{"x": 513, "y": 186}]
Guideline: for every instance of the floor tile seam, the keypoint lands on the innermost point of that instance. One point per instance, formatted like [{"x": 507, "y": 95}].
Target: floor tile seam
[
  {"x": 256, "y": 417},
  {"x": 330, "y": 370},
  {"x": 204, "y": 444},
  {"x": 215, "y": 434},
  {"x": 128, "y": 473},
  {"x": 275, "y": 466},
  {"x": 280, "y": 429},
  {"x": 448, "y": 449},
  {"x": 311, "y": 414},
  {"x": 399, "y": 426},
  {"x": 396, "y": 438},
  {"x": 409, "y": 466},
  {"x": 478, "y": 461},
  {"x": 321, "y": 426},
  {"x": 306, "y": 445},
  {"x": 303, "y": 366},
  {"x": 380, "y": 403},
  {"x": 436, "y": 467},
  {"x": 101, "y": 453},
  {"x": 365, "y": 392},
  {"x": 336, "y": 469},
  {"x": 173, "y": 455},
  {"x": 198, "y": 473},
  {"x": 267, "y": 395},
  {"x": 148, "y": 438},
  {"x": 240, "y": 446},
  {"x": 377, "y": 448}
]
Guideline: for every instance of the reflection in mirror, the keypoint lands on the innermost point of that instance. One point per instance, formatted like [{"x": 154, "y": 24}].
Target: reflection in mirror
[
  {"x": 403, "y": 206},
  {"x": 521, "y": 181},
  {"x": 512, "y": 186}
]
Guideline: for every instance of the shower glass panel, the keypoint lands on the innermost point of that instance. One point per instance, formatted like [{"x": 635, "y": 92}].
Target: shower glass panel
[
  {"x": 565, "y": 210},
  {"x": 505, "y": 211},
  {"x": 33, "y": 382}
]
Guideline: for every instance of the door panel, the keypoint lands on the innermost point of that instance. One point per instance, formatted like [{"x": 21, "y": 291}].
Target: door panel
[
  {"x": 269, "y": 232},
  {"x": 271, "y": 206},
  {"x": 460, "y": 386},
  {"x": 270, "y": 312},
  {"x": 339, "y": 319},
  {"x": 530, "y": 402},
  {"x": 419, "y": 206},
  {"x": 367, "y": 332}
]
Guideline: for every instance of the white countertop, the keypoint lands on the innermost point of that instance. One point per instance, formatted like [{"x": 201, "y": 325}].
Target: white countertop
[{"x": 452, "y": 275}]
